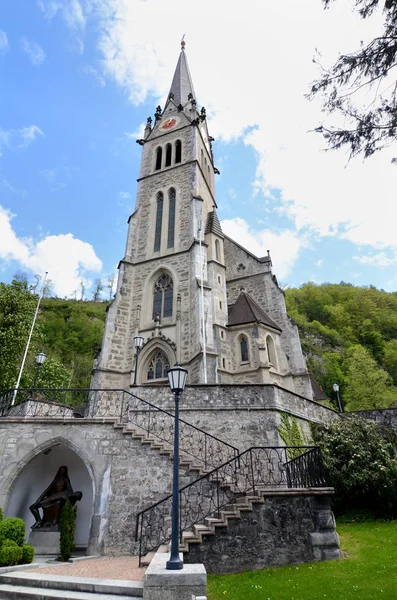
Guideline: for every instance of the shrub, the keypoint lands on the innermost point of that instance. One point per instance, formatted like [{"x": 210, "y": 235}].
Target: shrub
[
  {"x": 10, "y": 555},
  {"x": 27, "y": 554},
  {"x": 67, "y": 528},
  {"x": 12, "y": 528},
  {"x": 361, "y": 464},
  {"x": 1, "y": 514}
]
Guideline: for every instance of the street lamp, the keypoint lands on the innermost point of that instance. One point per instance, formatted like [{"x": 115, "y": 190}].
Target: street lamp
[
  {"x": 177, "y": 380},
  {"x": 335, "y": 387},
  {"x": 138, "y": 341},
  {"x": 40, "y": 358}
]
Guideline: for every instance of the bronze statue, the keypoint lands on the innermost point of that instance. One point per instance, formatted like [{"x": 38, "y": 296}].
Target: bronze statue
[{"x": 52, "y": 500}]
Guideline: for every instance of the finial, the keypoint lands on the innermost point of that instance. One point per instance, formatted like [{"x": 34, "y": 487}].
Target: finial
[{"x": 183, "y": 43}]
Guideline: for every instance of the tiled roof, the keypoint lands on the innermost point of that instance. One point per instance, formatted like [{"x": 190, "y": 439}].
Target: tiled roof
[
  {"x": 246, "y": 310},
  {"x": 182, "y": 84},
  {"x": 213, "y": 225},
  {"x": 318, "y": 393}
]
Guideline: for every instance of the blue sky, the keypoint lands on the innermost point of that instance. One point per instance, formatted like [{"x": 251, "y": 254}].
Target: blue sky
[{"x": 78, "y": 78}]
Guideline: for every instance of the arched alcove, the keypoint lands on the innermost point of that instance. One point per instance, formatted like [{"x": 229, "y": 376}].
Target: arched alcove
[{"x": 37, "y": 475}]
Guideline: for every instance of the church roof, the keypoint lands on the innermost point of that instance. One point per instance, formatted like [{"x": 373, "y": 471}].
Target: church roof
[
  {"x": 213, "y": 225},
  {"x": 246, "y": 310},
  {"x": 182, "y": 85}
]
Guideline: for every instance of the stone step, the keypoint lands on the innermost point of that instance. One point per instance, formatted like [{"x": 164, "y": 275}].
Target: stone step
[
  {"x": 113, "y": 587},
  {"x": 20, "y": 592}
]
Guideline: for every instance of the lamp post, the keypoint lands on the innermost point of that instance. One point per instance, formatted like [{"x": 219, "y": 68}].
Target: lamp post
[
  {"x": 138, "y": 341},
  {"x": 177, "y": 380},
  {"x": 40, "y": 358},
  {"x": 335, "y": 387}
]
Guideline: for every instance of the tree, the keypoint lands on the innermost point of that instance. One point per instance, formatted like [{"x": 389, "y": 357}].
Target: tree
[
  {"x": 17, "y": 307},
  {"x": 110, "y": 284},
  {"x": 361, "y": 464},
  {"x": 98, "y": 287},
  {"x": 373, "y": 126},
  {"x": 367, "y": 385}
]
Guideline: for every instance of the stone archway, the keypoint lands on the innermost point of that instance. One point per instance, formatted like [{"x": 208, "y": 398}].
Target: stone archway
[{"x": 38, "y": 472}]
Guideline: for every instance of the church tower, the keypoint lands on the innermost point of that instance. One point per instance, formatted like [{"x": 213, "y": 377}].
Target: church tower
[{"x": 195, "y": 296}]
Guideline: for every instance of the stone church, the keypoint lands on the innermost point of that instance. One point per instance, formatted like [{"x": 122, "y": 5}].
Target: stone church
[{"x": 198, "y": 298}]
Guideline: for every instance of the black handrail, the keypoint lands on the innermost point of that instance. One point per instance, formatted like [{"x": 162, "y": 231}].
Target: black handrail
[{"x": 255, "y": 469}]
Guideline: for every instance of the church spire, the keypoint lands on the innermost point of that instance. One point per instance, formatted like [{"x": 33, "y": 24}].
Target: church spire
[{"x": 182, "y": 85}]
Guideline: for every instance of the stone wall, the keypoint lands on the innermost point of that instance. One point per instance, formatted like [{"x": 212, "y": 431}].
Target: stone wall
[
  {"x": 385, "y": 416},
  {"x": 126, "y": 476},
  {"x": 244, "y": 416},
  {"x": 285, "y": 529}
]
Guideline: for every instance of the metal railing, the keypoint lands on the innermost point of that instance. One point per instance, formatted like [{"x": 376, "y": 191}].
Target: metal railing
[{"x": 252, "y": 471}]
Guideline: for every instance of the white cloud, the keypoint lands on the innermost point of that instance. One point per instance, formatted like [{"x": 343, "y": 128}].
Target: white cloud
[
  {"x": 4, "y": 45},
  {"x": 67, "y": 259},
  {"x": 125, "y": 196},
  {"x": 284, "y": 246},
  {"x": 20, "y": 138},
  {"x": 34, "y": 51},
  {"x": 94, "y": 74},
  {"x": 381, "y": 259}
]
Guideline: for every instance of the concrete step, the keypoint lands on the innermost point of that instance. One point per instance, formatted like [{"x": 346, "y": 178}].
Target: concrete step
[
  {"x": 20, "y": 592},
  {"x": 114, "y": 588}
]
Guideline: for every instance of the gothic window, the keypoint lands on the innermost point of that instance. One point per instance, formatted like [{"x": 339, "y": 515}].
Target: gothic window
[
  {"x": 178, "y": 151},
  {"x": 217, "y": 250},
  {"x": 171, "y": 217},
  {"x": 271, "y": 351},
  {"x": 159, "y": 221},
  {"x": 244, "y": 349},
  {"x": 159, "y": 156},
  {"x": 168, "y": 155},
  {"x": 163, "y": 297},
  {"x": 158, "y": 366}
]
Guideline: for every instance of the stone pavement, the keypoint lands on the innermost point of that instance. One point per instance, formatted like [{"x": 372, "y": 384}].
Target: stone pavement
[{"x": 104, "y": 567}]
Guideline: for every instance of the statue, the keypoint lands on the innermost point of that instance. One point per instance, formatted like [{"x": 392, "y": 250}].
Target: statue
[{"x": 52, "y": 500}]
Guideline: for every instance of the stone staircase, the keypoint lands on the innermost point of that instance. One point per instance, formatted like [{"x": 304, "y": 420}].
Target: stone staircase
[{"x": 23, "y": 585}]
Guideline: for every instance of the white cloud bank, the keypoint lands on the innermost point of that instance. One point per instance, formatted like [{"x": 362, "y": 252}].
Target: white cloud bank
[
  {"x": 35, "y": 52},
  {"x": 19, "y": 138},
  {"x": 67, "y": 259},
  {"x": 252, "y": 73}
]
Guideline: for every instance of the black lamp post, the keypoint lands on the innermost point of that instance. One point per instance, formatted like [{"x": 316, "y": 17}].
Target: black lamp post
[
  {"x": 138, "y": 341},
  {"x": 335, "y": 387},
  {"x": 40, "y": 358},
  {"x": 177, "y": 380}
]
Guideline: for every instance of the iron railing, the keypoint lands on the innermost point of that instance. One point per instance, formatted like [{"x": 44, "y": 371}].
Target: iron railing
[{"x": 252, "y": 471}]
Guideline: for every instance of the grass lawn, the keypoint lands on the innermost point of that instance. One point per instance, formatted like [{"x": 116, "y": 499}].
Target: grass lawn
[{"x": 367, "y": 571}]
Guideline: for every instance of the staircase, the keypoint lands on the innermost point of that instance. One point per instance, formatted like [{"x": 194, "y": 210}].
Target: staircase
[{"x": 23, "y": 585}]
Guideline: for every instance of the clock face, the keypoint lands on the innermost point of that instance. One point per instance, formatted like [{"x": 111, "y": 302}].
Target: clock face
[{"x": 169, "y": 124}]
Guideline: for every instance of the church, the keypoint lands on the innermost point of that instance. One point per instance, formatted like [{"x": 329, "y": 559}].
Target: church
[
  {"x": 195, "y": 296},
  {"x": 187, "y": 294}
]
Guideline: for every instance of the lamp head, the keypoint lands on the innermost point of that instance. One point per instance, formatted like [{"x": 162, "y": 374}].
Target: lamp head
[
  {"x": 40, "y": 358},
  {"x": 138, "y": 341},
  {"x": 335, "y": 387},
  {"x": 177, "y": 379}
]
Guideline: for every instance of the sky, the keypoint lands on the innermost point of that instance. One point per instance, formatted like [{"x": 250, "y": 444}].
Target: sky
[{"x": 78, "y": 79}]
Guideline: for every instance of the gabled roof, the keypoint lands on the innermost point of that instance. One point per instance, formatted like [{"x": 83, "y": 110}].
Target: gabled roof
[
  {"x": 246, "y": 310},
  {"x": 318, "y": 393},
  {"x": 213, "y": 225},
  {"x": 182, "y": 85}
]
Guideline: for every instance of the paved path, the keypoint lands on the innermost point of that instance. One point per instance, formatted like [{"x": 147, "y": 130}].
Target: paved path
[{"x": 106, "y": 567}]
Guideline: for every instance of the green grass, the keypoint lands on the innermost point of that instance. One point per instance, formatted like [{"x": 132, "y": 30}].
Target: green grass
[{"x": 368, "y": 570}]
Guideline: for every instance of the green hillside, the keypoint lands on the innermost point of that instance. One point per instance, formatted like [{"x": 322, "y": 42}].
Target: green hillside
[
  {"x": 349, "y": 337},
  {"x": 348, "y": 334}
]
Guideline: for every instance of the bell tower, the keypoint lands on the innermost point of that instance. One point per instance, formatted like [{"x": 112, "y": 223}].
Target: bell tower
[{"x": 171, "y": 287}]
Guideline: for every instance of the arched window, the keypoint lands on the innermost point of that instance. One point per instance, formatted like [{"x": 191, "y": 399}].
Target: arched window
[
  {"x": 178, "y": 151},
  {"x": 217, "y": 250},
  {"x": 171, "y": 217},
  {"x": 168, "y": 155},
  {"x": 244, "y": 349},
  {"x": 271, "y": 351},
  {"x": 159, "y": 221},
  {"x": 163, "y": 297},
  {"x": 159, "y": 156},
  {"x": 158, "y": 367}
]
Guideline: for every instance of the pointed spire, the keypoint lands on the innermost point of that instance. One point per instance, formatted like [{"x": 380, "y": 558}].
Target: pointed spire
[{"x": 182, "y": 86}]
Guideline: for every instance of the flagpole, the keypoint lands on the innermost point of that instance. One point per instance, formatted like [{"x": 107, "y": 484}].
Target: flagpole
[{"x": 29, "y": 338}]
